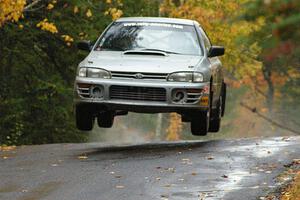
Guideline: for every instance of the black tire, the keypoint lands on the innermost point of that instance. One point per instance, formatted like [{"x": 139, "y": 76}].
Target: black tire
[
  {"x": 224, "y": 88},
  {"x": 200, "y": 123},
  {"x": 84, "y": 118},
  {"x": 215, "y": 119},
  {"x": 106, "y": 119}
]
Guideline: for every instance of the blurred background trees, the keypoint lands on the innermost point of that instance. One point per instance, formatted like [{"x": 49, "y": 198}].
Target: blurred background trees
[{"x": 38, "y": 59}]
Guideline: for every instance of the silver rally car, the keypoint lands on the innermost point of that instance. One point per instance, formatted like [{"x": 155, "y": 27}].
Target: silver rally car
[{"x": 151, "y": 65}]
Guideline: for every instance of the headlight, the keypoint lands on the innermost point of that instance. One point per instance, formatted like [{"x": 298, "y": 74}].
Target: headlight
[
  {"x": 93, "y": 73},
  {"x": 186, "y": 77}
]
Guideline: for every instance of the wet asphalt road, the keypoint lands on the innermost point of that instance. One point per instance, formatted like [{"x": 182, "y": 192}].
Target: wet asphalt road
[{"x": 230, "y": 169}]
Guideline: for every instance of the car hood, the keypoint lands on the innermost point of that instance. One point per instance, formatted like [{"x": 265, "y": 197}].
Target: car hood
[{"x": 117, "y": 61}]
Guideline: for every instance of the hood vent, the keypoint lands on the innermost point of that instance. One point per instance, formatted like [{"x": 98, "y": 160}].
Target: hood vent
[{"x": 151, "y": 53}]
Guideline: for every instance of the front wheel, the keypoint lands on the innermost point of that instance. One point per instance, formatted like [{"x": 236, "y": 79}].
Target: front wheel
[
  {"x": 200, "y": 123},
  {"x": 84, "y": 118},
  {"x": 106, "y": 119}
]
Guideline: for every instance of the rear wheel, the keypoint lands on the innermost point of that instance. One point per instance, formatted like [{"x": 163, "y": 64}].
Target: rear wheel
[
  {"x": 200, "y": 123},
  {"x": 84, "y": 118},
  {"x": 224, "y": 88},
  {"x": 106, "y": 119},
  {"x": 215, "y": 121}
]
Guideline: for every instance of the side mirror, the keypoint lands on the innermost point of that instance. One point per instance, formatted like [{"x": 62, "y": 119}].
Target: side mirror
[
  {"x": 85, "y": 45},
  {"x": 216, "y": 51}
]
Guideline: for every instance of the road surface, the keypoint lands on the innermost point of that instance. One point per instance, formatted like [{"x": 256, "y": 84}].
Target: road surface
[{"x": 225, "y": 169}]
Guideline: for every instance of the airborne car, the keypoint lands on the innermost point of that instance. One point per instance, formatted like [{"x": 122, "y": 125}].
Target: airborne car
[{"x": 151, "y": 65}]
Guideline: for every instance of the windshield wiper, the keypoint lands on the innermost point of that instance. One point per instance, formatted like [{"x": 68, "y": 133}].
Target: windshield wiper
[{"x": 169, "y": 52}]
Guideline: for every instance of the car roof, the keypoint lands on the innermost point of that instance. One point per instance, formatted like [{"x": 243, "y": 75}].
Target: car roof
[{"x": 158, "y": 20}]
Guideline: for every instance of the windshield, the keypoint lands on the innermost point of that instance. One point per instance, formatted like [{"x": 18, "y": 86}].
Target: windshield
[{"x": 170, "y": 38}]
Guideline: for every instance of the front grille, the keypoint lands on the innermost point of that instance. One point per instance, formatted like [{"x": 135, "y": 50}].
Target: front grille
[
  {"x": 137, "y": 93},
  {"x": 137, "y": 75}
]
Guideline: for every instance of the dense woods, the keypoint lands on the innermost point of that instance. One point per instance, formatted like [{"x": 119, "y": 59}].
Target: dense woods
[{"x": 38, "y": 59}]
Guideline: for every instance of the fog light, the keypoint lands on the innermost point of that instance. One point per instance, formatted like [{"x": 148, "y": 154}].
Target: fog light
[
  {"x": 179, "y": 96},
  {"x": 96, "y": 92},
  {"x": 204, "y": 101}
]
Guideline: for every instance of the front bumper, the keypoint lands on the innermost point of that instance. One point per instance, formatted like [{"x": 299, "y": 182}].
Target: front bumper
[{"x": 107, "y": 103}]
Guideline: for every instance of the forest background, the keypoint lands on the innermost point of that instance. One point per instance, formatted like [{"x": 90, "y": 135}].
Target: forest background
[{"x": 38, "y": 60}]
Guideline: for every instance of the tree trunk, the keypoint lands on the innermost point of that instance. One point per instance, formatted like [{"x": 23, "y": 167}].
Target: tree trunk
[{"x": 267, "y": 72}]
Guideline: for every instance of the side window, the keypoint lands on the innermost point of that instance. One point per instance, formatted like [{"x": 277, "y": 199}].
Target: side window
[{"x": 207, "y": 43}]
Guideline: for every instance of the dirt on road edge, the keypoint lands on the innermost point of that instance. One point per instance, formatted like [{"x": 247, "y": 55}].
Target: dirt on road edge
[{"x": 290, "y": 184}]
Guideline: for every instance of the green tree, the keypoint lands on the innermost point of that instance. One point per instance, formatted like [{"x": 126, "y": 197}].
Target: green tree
[{"x": 38, "y": 60}]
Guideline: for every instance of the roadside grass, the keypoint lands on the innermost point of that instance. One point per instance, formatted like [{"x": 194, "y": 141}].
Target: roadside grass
[
  {"x": 289, "y": 182},
  {"x": 292, "y": 192}
]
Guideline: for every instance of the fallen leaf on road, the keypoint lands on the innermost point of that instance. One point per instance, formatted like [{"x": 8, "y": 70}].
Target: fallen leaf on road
[
  {"x": 120, "y": 186},
  {"x": 158, "y": 167},
  {"x": 82, "y": 157},
  {"x": 170, "y": 169},
  {"x": 7, "y": 148},
  {"x": 286, "y": 139},
  {"x": 202, "y": 196},
  {"x": 224, "y": 176},
  {"x": 194, "y": 173},
  {"x": 296, "y": 162},
  {"x": 186, "y": 161},
  {"x": 210, "y": 158},
  {"x": 158, "y": 178},
  {"x": 118, "y": 176},
  {"x": 164, "y": 197},
  {"x": 167, "y": 185}
]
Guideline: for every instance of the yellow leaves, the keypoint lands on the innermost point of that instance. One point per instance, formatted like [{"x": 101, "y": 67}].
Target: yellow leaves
[
  {"x": 7, "y": 148},
  {"x": 89, "y": 13},
  {"x": 82, "y": 157},
  {"x": 11, "y": 10},
  {"x": 114, "y": 13},
  {"x": 75, "y": 10},
  {"x": 175, "y": 127},
  {"x": 68, "y": 39},
  {"x": 21, "y": 26},
  {"x": 47, "y": 26},
  {"x": 50, "y": 6},
  {"x": 113, "y": 9}
]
